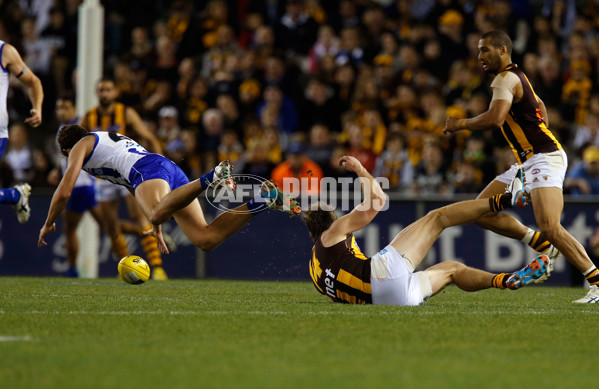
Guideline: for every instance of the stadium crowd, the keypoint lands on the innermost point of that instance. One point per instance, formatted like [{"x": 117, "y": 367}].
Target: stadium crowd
[{"x": 280, "y": 87}]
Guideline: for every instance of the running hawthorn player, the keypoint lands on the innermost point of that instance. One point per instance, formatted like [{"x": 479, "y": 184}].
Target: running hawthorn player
[{"x": 542, "y": 162}]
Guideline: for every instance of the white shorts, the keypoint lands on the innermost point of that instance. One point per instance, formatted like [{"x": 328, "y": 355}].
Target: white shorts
[
  {"x": 544, "y": 170},
  {"x": 107, "y": 191},
  {"x": 393, "y": 282}
]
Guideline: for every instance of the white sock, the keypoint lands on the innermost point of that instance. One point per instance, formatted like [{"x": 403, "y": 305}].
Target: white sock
[
  {"x": 586, "y": 273},
  {"x": 528, "y": 236}
]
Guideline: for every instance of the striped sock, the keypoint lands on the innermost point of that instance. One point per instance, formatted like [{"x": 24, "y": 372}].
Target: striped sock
[
  {"x": 543, "y": 246},
  {"x": 500, "y": 280},
  {"x": 592, "y": 276},
  {"x": 150, "y": 245},
  {"x": 500, "y": 202},
  {"x": 119, "y": 247}
]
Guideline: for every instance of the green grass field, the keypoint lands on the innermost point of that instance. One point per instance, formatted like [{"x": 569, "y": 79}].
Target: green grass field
[{"x": 59, "y": 333}]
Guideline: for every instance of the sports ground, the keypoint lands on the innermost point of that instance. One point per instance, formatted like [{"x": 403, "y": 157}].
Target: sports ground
[{"x": 60, "y": 333}]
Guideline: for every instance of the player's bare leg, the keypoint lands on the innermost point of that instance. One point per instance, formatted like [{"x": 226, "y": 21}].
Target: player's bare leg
[
  {"x": 507, "y": 225},
  {"x": 191, "y": 218},
  {"x": 466, "y": 278},
  {"x": 548, "y": 204},
  {"x": 500, "y": 223},
  {"x": 416, "y": 240}
]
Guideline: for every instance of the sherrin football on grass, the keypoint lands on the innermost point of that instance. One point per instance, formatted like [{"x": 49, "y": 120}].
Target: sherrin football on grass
[{"x": 134, "y": 270}]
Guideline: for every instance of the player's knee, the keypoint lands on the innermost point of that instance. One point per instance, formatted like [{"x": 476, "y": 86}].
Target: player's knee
[
  {"x": 205, "y": 243},
  {"x": 486, "y": 221},
  {"x": 550, "y": 230}
]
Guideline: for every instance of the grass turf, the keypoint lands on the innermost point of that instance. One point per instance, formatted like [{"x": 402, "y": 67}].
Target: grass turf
[{"x": 230, "y": 334}]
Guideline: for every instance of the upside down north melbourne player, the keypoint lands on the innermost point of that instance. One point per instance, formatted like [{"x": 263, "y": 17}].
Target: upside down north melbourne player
[
  {"x": 542, "y": 163},
  {"x": 160, "y": 187},
  {"x": 340, "y": 271}
]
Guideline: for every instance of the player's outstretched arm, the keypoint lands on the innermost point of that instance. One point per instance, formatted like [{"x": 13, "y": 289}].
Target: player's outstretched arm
[
  {"x": 62, "y": 193},
  {"x": 144, "y": 132},
  {"x": 493, "y": 118},
  {"x": 374, "y": 201},
  {"x": 16, "y": 66}
]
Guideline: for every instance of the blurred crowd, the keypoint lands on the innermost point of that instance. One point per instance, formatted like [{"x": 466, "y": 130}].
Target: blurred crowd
[{"x": 283, "y": 87}]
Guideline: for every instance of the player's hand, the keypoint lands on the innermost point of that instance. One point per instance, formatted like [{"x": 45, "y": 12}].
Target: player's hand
[
  {"x": 157, "y": 232},
  {"x": 351, "y": 164},
  {"x": 43, "y": 232},
  {"x": 452, "y": 125},
  {"x": 35, "y": 119}
]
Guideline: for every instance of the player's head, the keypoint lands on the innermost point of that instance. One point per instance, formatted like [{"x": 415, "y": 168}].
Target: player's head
[
  {"x": 318, "y": 219},
  {"x": 65, "y": 108},
  {"x": 494, "y": 51},
  {"x": 68, "y": 136},
  {"x": 106, "y": 91}
]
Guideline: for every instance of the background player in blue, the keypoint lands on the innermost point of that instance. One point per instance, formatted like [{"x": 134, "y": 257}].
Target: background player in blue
[
  {"x": 83, "y": 197},
  {"x": 160, "y": 187},
  {"x": 11, "y": 62}
]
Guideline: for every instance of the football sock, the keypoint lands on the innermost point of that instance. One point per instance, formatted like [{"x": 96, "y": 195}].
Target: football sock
[
  {"x": 9, "y": 196},
  {"x": 150, "y": 245},
  {"x": 257, "y": 204},
  {"x": 119, "y": 247},
  {"x": 207, "y": 179},
  {"x": 592, "y": 276},
  {"x": 540, "y": 245},
  {"x": 500, "y": 280},
  {"x": 500, "y": 202}
]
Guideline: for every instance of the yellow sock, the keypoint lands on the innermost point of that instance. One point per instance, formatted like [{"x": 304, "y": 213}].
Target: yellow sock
[
  {"x": 150, "y": 245},
  {"x": 539, "y": 245},
  {"x": 592, "y": 276},
  {"x": 119, "y": 247},
  {"x": 499, "y": 281}
]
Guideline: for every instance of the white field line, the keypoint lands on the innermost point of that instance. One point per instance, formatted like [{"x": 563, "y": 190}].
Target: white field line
[
  {"x": 282, "y": 313},
  {"x": 15, "y": 339}
]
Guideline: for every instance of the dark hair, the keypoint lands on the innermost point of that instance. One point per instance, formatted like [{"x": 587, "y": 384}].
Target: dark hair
[
  {"x": 67, "y": 96},
  {"x": 69, "y": 135},
  {"x": 499, "y": 38},
  {"x": 106, "y": 78},
  {"x": 318, "y": 221}
]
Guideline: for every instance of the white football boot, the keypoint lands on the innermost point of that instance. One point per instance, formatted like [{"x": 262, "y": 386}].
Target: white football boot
[
  {"x": 592, "y": 296},
  {"x": 22, "y": 206}
]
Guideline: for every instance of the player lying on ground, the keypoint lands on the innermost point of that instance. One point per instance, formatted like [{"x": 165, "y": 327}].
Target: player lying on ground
[
  {"x": 160, "y": 187},
  {"x": 340, "y": 271}
]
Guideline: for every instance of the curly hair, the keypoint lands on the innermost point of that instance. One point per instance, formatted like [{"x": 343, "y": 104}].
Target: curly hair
[
  {"x": 69, "y": 135},
  {"x": 318, "y": 220}
]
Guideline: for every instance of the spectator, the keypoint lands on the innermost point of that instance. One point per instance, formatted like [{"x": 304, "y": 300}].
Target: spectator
[
  {"x": 297, "y": 30},
  {"x": 297, "y": 165},
  {"x": 430, "y": 176},
  {"x": 230, "y": 148},
  {"x": 326, "y": 45},
  {"x": 583, "y": 178},
  {"x": 282, "y": 107},
  {"x": 19, "y": 155},
  {"x": 168, "y": 125},
  {"x": 319, "y": 106},
  {"x": 321, "y": 145},
  {"x": 394, "y": 164},
  {"x": 358, "y": 149}
]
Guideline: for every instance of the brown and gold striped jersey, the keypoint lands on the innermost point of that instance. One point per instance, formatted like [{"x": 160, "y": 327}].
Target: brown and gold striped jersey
[
  {"x": 113, "y": 122},
  {"x": 341, "y": 272},
  {"x": 525, "y": 129}
]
